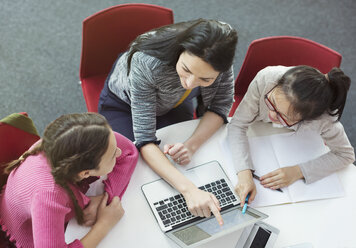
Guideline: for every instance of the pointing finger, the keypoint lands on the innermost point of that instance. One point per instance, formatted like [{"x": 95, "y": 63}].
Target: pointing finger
[{"x": 217, "y": 214}]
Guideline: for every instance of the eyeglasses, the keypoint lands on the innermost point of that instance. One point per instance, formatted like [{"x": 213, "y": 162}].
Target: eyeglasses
[{"x": 279, "y": 116}]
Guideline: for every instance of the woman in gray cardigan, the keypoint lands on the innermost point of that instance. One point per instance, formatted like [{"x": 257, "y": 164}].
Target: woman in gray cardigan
[
  {"x": 298, "y": 98},
  {"x": 152, "y": 85}
]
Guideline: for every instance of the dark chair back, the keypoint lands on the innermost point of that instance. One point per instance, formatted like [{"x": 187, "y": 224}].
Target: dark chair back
[{"x": 109, "y": 33}]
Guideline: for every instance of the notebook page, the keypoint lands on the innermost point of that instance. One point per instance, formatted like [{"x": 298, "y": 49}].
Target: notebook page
[
  {"x": 328, "y": 187},
  {"x": 297, "y": 147},
  {"x": 268, "y": 197},
  {"x": 262, "y": 154},
  {"x": 264, "y": 197},
  {"x": 265, "y": 161}
]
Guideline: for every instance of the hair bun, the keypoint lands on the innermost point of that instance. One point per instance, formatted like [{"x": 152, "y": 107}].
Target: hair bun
[{"x": 340, "y": 84}]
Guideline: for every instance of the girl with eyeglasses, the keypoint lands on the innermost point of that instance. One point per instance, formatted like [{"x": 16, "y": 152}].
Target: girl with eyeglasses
[{"x": 297, "y": 98}]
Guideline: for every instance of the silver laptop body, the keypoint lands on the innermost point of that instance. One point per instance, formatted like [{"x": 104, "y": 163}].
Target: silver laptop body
[{"x": 169, "y": 208}]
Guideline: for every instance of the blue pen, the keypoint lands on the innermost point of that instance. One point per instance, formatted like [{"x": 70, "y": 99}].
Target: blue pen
[{"x": 245, "y": 205}]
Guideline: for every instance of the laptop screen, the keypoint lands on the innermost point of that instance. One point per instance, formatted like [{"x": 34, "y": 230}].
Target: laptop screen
[{"x": 210, "y": 227}]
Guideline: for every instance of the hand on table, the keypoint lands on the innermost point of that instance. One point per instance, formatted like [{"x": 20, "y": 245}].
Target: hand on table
[
  {"x": 202, "y": 203},
  {"x": 90, "y": 212},
  {"x": 282, "y": 177},
  {"x": 109, "y": 215},
  {"x": 245, "y": 186},
  {"x": 179, "y": 152}
]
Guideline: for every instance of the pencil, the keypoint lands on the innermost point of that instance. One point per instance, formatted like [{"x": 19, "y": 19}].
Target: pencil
[{"x": 258, "y": 178}]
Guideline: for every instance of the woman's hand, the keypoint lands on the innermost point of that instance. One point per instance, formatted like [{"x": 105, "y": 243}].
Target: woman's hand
[
  {"x": 109, "y": 215},
  {"x": 202, "y": 203},
  {"x": 245, "y": 186},
  {"x": 179, "y": 152},
  {"x": 90, "y": 212},
  {"x": 282, "y": 177}
]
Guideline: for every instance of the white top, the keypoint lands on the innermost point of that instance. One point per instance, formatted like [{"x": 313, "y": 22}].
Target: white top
[{"x": 253, "y": 108}]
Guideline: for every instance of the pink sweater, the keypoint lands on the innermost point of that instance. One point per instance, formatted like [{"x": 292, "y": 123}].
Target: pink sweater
[{"x": 35, "y": 210}]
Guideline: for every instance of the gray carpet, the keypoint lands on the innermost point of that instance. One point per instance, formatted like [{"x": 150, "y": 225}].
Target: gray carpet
[{"x": 40, "y": 44}]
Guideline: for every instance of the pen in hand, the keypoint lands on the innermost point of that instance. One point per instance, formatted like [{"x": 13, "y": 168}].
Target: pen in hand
[
  {"x": 258, "y": 178},
  {"x": 245, "y": 205}
]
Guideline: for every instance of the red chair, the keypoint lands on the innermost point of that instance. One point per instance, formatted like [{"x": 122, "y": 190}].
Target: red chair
[
  {"x": 108, "y": 33},
  {"x": 17, "y": 134},
  {"x": 282, "y": 50}
]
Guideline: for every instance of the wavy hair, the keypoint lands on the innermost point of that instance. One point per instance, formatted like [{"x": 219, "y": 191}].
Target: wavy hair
[{"x": 212, "y": 41}]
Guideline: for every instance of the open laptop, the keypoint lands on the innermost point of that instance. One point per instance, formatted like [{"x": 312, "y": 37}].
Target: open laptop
[{"x": 173, "y": 217}]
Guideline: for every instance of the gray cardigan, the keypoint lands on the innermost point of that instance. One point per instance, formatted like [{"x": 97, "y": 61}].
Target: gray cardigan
[
  {"x": 253, "y": 108},
  {"x": 153, "y": 88}
]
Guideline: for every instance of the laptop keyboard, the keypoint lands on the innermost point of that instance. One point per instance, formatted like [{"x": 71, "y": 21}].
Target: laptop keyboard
[{"x": 174, "y": 210}]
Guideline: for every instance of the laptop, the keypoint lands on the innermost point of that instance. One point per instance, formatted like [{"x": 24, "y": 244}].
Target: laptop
[{"x": 173, "y": 217}]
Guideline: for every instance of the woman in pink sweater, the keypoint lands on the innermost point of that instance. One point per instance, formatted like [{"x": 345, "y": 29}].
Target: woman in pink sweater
[{"x": 46, "y": 186}]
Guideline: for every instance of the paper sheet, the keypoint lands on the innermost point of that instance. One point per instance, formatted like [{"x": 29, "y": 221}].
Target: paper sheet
[{"x": 268, "y": 153}]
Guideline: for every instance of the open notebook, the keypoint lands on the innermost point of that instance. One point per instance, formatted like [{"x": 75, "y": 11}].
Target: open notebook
[{"x": 280, "y": 150}]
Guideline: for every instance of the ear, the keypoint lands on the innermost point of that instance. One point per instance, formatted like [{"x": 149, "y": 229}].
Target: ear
[{"x": 84, "y": 174}]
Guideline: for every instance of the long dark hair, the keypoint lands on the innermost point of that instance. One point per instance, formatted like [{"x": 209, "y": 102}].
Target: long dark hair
[
  {"x": 72, "y": 143},
  {"x": 211, "y": 40},
  {"x": 312, "y": 93}
]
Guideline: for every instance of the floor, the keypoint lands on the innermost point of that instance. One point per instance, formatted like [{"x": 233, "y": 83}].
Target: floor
[{"x": 40, "y": 44}]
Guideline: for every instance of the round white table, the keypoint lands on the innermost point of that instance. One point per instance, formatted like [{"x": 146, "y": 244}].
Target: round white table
[{"x": 322, "y": 223}]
